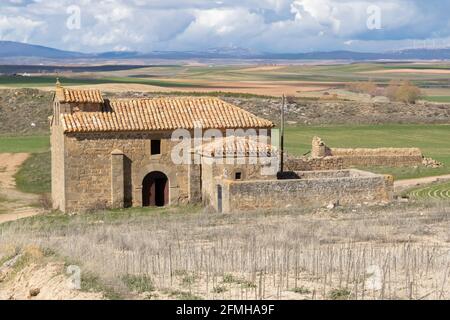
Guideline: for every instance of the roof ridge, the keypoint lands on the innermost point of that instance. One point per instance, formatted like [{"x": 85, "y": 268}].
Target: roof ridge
[
  {"x": 149, "y": 114},
  {"x": 167, "y": 98}
]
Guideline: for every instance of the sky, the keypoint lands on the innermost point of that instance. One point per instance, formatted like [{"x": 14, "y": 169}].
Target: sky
[{"x": 198, "y": 25}]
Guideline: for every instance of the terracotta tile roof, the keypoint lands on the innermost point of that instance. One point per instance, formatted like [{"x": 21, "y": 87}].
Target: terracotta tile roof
[
  {"x": 163, "y": 114},
  {"x": 237, "y": 146},
  {"x": 65, "y": 95}
]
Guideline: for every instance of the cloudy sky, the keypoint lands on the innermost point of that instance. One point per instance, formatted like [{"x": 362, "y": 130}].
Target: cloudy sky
[{"x": 258, "y": 25}]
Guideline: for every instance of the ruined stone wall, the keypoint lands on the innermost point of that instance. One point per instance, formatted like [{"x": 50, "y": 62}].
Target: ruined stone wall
[
  {"x": 380, "y": 160},
  {"x": 319, "y": 149},
  {"x": 376, "y": 152},
  {"x": 326, "y": 158},
  {"x": 312, "y": 164},
  {"x": 346, "y": 162},
  {"x": 88, "y": 169},
  {"x": 358, "y": 187},
  {"x": 387, "y": 157}
]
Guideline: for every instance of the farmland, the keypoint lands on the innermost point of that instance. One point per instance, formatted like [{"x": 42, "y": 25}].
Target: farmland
[{"x": 275, "y": 79}]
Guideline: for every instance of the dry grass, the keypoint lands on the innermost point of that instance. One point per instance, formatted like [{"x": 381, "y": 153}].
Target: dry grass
[{"x": 189, "y": 254}]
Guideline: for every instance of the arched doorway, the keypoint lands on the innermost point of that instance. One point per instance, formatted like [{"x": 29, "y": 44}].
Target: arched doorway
[{"x": 155, "y": 190}]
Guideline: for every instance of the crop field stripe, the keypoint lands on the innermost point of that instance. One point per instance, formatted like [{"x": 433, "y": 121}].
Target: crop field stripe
[{"x": 434, "y": 192}]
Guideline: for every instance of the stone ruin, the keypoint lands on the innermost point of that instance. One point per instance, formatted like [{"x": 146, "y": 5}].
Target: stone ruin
[{"x": 323, "y": 157}]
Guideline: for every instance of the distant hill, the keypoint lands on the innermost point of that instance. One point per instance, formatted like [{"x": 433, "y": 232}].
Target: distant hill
[
  {"x": 410, "y": 54},
  {"x": 9, "y": 49}
]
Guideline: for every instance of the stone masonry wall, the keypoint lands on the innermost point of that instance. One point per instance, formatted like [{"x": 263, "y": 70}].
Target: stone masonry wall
[
  {"x": 359, "y": 187},
  {"x": 313, "y": 164},
  {"x": 58, "y": 165},
  {"x": 88, "y": 169}
]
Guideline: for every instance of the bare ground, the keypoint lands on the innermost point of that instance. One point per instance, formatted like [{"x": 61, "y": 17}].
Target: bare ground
[
  {"x": 38, "y": 278},
  {"x": 402, "y": 185},
  {"x": 14, "y": 204},
  {"x": 30, "y": 275},
  {"x": 24, "y": 111},
  {"x": 303, "y": 112}
]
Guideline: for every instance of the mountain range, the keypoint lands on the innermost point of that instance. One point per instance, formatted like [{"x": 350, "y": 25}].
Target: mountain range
[{"x": 16, "y": 50}]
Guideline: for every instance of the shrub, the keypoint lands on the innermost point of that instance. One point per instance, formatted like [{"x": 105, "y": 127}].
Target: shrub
[
  {"x": 220, "y": 289},
  {"x": 403, "y": 91},
  {"x": 339, "y": 294},
  {"x": 229, "y": 278},
  {"x": 188, "y": 279},
  {"x": 368, "y": 87},
  {"x": 301, "y": 290},
  {"x": 138, "y": 284},
  {"x": 183, "y": 295}
]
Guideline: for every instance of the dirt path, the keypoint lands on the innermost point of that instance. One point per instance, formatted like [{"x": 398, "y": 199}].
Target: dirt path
[
  {"x": 402, "y": 185},
  {"x": 14, "y": 204}
]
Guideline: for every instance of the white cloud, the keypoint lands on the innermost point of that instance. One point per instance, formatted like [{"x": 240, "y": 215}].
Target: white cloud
[
  {"x": 221, "y": 27},
  {"x": 265, "y": 25},
  {"x": 345, "y": 18},
  {"x": 18, "y": 27}
]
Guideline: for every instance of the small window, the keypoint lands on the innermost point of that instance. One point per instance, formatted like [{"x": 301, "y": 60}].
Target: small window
[
  {"x": 155, "y": 147},
  {"x": 238, "y": 175}
]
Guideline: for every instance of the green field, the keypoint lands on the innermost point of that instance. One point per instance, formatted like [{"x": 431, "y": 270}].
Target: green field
[
  {"x": 433, "y": 140},
  {"x": 28, "y": 144},
  {"x": 441, "y": 99},
  {"x": 34, "y": 176}
]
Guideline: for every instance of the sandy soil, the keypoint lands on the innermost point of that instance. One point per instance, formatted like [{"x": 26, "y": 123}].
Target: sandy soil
[
  {"x": 421, "y": 71},
  {"x": 49, "y": 279},
  {"x": 9, "y": 164},
  {"x": 14, "y": 204}
]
